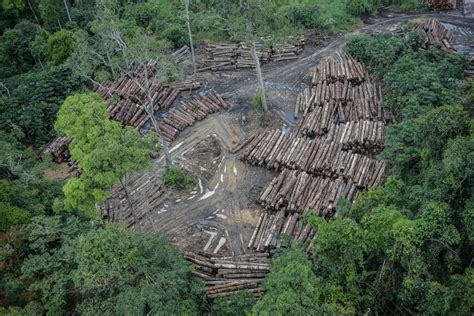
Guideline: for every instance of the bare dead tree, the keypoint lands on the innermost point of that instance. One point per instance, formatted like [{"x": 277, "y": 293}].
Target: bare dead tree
[
  {"x": 128, "y": 197},
  {"x": 259, "y": 77},
  {"x": 4, "y": 87},
  {"x": 186, "y": 7},
  {"x": 67, "y": 10},
  {"x": 34, "y": 13}
]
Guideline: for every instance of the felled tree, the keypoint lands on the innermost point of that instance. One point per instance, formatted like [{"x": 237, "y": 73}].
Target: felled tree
[{"x": 104, "y": 150}]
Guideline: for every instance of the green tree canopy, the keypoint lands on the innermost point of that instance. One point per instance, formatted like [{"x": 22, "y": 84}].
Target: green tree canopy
[{"x": 104, "y": 150}]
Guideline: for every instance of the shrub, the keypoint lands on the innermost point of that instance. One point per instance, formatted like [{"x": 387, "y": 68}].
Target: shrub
[
  {"x": 178, "y": 179},
  {"x": 60, "y": 46},
  {"x": 262, "y": 115}
]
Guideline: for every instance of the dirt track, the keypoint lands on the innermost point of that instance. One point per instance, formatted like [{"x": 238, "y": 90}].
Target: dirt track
[{"x": 219, "y": 214}]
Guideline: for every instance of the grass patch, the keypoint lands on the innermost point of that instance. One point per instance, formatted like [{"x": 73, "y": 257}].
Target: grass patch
[
  {"x": 262, "y": 115},
  {"x": 178, "y": 179}
]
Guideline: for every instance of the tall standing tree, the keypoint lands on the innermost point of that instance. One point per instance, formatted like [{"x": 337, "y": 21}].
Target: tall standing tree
[
  {"x": 261, "y": 84},
  {"x": 188, "y": 23},
  {"x": 120, "y": 49},
  {"x": 104, "y": 150}
]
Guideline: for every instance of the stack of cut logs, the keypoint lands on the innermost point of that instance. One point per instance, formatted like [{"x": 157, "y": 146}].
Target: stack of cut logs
[
  {"x": 225, "y": 276},
  {"x": 441, "y": 4},
  {"x": 297, "y": 191},
  {"x": 58, "y": 149},
  {"x": 339, "y": 67},
  {"x": 270, "y": 226},
  {"x": 178, "y": 118},
  {"x": 132, "y": 95},
  {"x": 437, "y": 35},
  {"x": 238, "y": 56},
  {"x": 329, "y": 156},
  {"x": 133, "y": 198},
  {"x": 323, "y": 156},
  {"x": 181, "y": 54}
]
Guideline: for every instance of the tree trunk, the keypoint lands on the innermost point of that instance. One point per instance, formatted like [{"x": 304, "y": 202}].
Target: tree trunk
[
  {"x": 186, "y": 6},
  {"x": 34, "y": 13},
  {"x": 67, "y": 11},
  {"x": 169, "y": 162},
  {"x": 127, "y": 197},
  {"x": 259, "y": 77}
]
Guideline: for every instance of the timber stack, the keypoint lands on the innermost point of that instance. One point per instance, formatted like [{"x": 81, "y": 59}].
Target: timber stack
[
  {"x": 271, "y": 225},
  {"x": 59, "y": 149},
  {"x": 276, "y": 150},
  {"x": 437, "y": 35},
  {"x": 444, "y": 5},
  {"x": 181, "y": 54},
  {"x": 328, "y": 156},
  {"x": 339, "y": 67},
  {"x": 186, "y": 114},
  {"x": 296, "y": 191},
  {"x": 225, "y": 276},
  {"x": 131, "y": 199},
  {"x": 127, "y": 96},
  {"x": 238, "y": 56}
]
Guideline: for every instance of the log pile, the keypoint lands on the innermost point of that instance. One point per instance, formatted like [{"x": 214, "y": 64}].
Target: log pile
[
  {"x": 296, "y": 191},
  {"x": 181, "y": 54},
  {"x": 178, "y": 118},
  {"x": 59, "y": 149},
  {"x": 365, "y": 137},
  {"x": 238, "y": 56},
  {"x": 339, "y": 67},
  {"x": 437, "y": 35},
  {"x": 142, "y": 193},
  {"x": 444, "y": 5},
  {"x": 322, "y": 156},
  {"x": 126, "y": 97},
  {"x": 225, "y": 276},
  {"x": 329, "y": 156},
  {"x": 270, "y": 226}
]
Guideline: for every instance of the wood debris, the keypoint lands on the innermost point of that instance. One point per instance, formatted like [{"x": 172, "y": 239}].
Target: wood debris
[
  {"x": 225, "y": 276},
  {"x": 190, "y": 111}
]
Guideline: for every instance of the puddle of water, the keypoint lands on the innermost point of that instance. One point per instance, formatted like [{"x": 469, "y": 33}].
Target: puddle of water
[
  {"x": 219, "y": 245},
  {"x": 162, "y": 210},
  {"x": 449, "y": 26},
  {"x": 176, "y": 147},
  {"x": 200, "y": 186},
  {"x": 208, "y": 194},
  {"x": 209, "y": 242}
]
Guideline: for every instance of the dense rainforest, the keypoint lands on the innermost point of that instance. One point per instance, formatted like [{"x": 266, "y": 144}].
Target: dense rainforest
[{"x": 405, "y": 247}]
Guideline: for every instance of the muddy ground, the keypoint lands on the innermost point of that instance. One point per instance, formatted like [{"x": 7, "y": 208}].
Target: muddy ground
[{"x": 220, "y": 213}]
